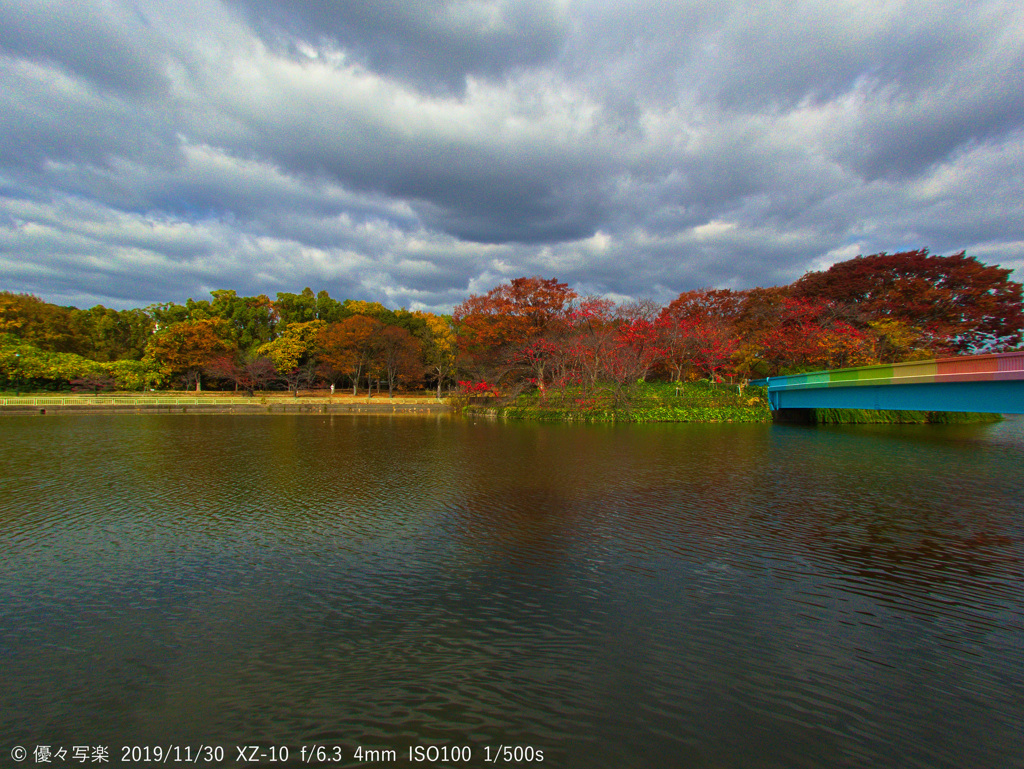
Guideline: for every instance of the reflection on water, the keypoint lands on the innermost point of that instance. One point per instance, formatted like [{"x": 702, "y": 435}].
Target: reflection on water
[{"x": 618, "y": 596}]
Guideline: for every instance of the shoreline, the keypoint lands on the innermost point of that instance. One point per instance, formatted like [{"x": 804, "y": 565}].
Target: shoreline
[
  {"x": 683, "y": 415},
  {"x": 42, "y": 405},
  {"x": 667, "y": 415}
]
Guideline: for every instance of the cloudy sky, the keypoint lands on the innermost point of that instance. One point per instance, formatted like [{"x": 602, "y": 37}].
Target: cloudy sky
[{"x": 416, "y": 152}]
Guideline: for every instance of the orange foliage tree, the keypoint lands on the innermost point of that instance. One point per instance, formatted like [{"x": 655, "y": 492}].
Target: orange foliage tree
[
  {"x": 400, "y": 357},
  {"x": 350, "y": 346},
  {"x": 184, "y": 349},
  {"x": 503, "y": 326}
]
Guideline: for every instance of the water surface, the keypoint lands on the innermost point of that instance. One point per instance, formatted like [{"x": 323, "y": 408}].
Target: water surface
[{"x": 616, "y": 596}]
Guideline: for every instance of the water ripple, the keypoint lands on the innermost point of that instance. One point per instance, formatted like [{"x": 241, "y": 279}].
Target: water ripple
[{"x": 621, "y": 596}]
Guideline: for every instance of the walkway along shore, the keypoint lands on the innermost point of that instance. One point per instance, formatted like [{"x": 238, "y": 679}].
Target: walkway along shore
[{"x": 119, "y": 404}]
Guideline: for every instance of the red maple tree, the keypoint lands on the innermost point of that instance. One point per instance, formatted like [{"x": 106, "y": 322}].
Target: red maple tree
[{"x": 957, "y": 304}]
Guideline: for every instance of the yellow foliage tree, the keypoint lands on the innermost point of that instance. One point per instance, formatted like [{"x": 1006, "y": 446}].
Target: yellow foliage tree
[
  {"x": 294, "y": 347},
  {"x": 440, "y": 351}
]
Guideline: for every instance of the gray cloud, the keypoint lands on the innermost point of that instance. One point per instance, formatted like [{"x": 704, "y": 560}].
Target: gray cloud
[
  {"x": 412, "y": 154},
  {"x": 107, "y": 46},
  {"x": 431, "y": 45}
]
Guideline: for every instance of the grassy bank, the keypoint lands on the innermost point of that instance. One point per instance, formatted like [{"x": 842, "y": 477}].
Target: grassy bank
[{"x": 642, "y": 402}]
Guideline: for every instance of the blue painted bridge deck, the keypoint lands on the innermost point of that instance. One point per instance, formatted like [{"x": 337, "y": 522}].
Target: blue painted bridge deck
[{"x": 980, "y": 383}]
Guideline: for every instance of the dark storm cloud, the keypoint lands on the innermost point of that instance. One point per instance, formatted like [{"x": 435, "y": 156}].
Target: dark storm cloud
[
  {"x": 487, "y": 194},
  {"x": 412, "y": 153},
  {"x": 432, "y": 45}
]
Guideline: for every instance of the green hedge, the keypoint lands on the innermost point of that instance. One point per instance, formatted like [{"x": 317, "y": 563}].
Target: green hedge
[{"x": 868, "y": 417}]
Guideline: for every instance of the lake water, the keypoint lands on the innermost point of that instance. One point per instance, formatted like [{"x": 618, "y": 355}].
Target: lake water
[{"x": 595, "y": 596}]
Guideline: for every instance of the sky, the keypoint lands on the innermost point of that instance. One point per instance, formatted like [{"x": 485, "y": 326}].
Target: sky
[{"x": 415, "y": 153}]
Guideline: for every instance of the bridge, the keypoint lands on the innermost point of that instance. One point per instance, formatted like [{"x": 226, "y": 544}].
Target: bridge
[{"x": 981, "y": 383}]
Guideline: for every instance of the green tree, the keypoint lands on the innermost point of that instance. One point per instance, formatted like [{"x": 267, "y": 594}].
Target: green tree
[
  {"x": 328, "y": 310},
  {"x": 24, "y": 366},
  {"x": 252, "y": 320},
  {"x": 296, "y": 308},
  {"x": 44, "y": 325},
  {"x": 199, "y": 309},
  {"x": 105, "y": 334},
  {"x": 167, "y": 314},
  {"x": 135, "y": 374}
]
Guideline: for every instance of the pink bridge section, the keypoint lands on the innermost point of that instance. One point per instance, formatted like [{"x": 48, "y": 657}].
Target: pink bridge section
[{"x": 981, "y": 368}]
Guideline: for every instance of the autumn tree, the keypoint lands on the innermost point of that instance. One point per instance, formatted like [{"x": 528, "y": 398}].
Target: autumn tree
[
  {"x": 250, "y": 372},
  {"x": 350, "y": 346},
  {"x": 293, "y": 348},
  {"x": 700, "y": 332},
  {"x": 590, "y": 342},
  {"x": 646, "y": 310},
  {"x": 258, "y": 372},
  {"x": 700, "y": 345},
  {"x": 375, "y": 310},
  {"x": 224, "y": 368},
  {"x": 300, "y": 377},
  {"x": 623, "y": 347},
  {"x": 897, "y": 340},
  {"x": 722, "y": 306},
  {"x": 493, "y": 327},
  {"x": 756, "y": 317},
  {"x": 602, "y": 348},
  {"x": 955, "y": 303},
  {"x": 804, "y": 335},
  {"x": 185, "y": 348},
  {"x": 400, "y": 357},
  {"x": 437, "y": 337},
  {"x": 93, "y": 383},
  {"x": 638, "y": 347}
]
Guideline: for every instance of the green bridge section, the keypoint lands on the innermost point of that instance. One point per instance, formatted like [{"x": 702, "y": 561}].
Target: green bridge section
[{"x": 974, "y": 383}]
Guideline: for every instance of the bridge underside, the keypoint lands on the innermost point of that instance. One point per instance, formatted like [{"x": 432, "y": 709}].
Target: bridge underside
[{"x": 999, "y": 397}]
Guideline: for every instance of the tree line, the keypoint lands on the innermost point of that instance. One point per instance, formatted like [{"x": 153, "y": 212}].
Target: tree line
[
  {"x": 249, "y": 343},
  {"x": 529, "y": 333},
  {"x": 882, "y": 308}
]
